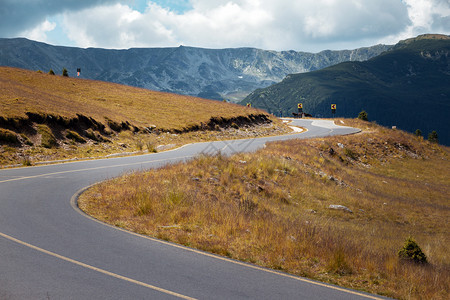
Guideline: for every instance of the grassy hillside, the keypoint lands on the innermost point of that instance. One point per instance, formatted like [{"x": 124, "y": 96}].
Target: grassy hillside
[
  {"x": 46, "y": 117},
  {"x": 407, "y": 86},
  {"x": 274, "y": 208},
  {"x": 24, "y": 91}
]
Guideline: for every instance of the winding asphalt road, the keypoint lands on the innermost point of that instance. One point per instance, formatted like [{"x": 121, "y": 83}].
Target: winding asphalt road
[{"x": 49, "y": 250}]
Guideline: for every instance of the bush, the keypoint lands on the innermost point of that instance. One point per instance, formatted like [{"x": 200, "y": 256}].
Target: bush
[
  {"x": 349, "y": 153},
  {"x": 65, "y": 73},
  {"x": 412, "y": 252},
  {"x": 26, "y": 161},
  {"x": 51, "y": 72},
  {"x": 363, "y": 116},
  {"x": 418, "y": 132},
  {"x": 433, "y": 137},
  {"x": 151, "y": 147}
]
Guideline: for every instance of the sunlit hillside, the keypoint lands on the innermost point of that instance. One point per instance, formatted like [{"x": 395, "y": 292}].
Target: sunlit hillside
[{"x": 49, "y": 117}]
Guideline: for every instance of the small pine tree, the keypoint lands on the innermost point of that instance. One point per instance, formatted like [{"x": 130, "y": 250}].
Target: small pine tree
[
  {"x": 412, "y": 252},
  {"x": 51, "y": 72},
  {"x": 65, "y": 73},
  {"x": 433, "y": 137},
  {"x": 363, "y": 116},
  {"x": 418, "y": 132}
]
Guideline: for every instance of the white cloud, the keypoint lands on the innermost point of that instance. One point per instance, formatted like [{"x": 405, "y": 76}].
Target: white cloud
[
  {"x": 308, "y": 25},
  {"x": 426, "y": 16},
  {"x": 39, "y": 33},
  {"x": 18, "y": 16}
]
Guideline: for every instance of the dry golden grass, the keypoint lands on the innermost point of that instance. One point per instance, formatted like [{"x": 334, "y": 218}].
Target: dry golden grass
[
  {"x": 123, "y": 143},
  {"x": 24, "y": 91},
  {"x": 271, "y": 208},
  {"x": 57, "y": 101}
]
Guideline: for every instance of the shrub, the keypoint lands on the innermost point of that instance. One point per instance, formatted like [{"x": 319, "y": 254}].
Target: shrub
[
  {"x": 65, "y": 73},
  {"x": 433, "y": 137},
  {"x": 26, "y": 161},
  {"x": 363, "y": 116},
  {"x": 151, "y": 147},
  {"x": 48, "y": 140},
  {"x": 412, "y": 252},
  {"x": 349, "y": 153},
  {"x": 51, "y": 72},
  {"x": 418, "y": 132}
]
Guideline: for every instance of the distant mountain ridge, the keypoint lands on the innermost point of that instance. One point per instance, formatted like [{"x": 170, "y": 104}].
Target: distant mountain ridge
[
  {"x": 407, "y": 86},
  {"x": 210, "y": 73}
]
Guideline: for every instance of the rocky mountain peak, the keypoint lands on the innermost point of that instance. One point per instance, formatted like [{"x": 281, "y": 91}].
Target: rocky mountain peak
[{"x": 230, "y": 73}]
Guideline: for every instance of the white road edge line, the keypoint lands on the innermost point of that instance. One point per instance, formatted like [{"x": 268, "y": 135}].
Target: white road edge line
[
  {"x": 94, "y": 168},
  {"x": 8, "y": 237},
  {"x": 74, "y": 204}
]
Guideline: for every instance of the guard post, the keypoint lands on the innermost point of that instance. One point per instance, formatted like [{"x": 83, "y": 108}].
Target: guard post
[
  {"x": 300, "y": 109},
  {"x": 333, "y": 109}
]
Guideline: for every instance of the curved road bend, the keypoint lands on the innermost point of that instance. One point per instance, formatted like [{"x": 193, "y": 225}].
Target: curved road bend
[{"x": 48, "y": 250}]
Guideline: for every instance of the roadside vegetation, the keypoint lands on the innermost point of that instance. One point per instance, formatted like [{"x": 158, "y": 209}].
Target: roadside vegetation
[
  {"x": 368, "y": 211},
  {"x": 45, "y": 117}
]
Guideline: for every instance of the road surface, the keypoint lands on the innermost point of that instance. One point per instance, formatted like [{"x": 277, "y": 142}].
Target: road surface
[{"x": 49, "y": 250}]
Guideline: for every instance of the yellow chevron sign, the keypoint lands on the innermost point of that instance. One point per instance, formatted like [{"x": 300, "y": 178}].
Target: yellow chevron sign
[{"x": 333, "y": 106}]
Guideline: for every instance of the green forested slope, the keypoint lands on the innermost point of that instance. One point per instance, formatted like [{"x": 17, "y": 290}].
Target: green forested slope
[{"x": 408, "y": 86}]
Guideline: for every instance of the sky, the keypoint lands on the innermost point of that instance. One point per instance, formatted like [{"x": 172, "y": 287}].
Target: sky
[{"x": 301, "y": 25}]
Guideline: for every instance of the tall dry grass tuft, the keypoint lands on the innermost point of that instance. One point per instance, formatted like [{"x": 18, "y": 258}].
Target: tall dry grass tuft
[{"x": 272, "y": 208}]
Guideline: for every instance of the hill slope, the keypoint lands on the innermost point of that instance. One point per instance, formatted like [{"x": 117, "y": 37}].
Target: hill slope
[
  {"x": 408, "y": 86},
  {"x": 208, "y": 73},
  {"x": 335, "y": 209},
  {"x": 23, "y": 91},
  {"x": 48, "y": 117}
]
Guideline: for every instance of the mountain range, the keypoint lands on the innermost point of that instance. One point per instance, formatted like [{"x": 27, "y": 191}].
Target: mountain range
[
  {"x": 217, "y": 74},
  {"x": 407, "y": 86}
]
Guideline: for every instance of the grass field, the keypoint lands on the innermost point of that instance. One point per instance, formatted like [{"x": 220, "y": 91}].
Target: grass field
[
  {"x": 47, "y": 117},
  {"x": 24, "y": 91},
  {"x": 274, "y": 208}
]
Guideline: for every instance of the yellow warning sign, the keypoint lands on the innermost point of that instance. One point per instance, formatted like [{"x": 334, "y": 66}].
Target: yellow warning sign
[
  {"x": 300, "y": 105},
  {"x": 333, "y": 106}
]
